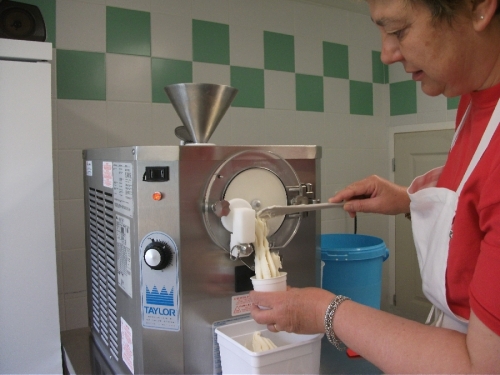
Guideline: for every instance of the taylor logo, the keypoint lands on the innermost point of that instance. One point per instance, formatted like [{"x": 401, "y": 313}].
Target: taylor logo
[{"x": 153, "y": 297}]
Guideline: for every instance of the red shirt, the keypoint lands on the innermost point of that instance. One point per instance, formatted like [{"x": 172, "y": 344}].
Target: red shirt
[{"x": 473, "y": 271}]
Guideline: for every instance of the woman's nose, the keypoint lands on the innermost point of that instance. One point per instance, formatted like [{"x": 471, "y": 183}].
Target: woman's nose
[{"x": 390, "y": 50}]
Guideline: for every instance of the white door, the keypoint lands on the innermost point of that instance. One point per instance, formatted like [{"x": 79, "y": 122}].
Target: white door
[
  {"x": 414, "y": 153},
  {"x": 29, "y": 314}
]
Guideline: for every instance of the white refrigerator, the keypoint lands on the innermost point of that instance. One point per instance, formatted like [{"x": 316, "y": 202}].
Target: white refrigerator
[{"x": 29, "y": 314}]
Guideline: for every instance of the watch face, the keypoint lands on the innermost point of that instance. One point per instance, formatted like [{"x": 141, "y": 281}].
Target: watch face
[{"x": 17, "y": 23}]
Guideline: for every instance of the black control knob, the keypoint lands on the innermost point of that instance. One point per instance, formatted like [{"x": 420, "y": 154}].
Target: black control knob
[{"x": 158, "y": 255}]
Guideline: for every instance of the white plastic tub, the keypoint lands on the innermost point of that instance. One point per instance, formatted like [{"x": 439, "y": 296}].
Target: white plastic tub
[{"x": 295, "y": 354}]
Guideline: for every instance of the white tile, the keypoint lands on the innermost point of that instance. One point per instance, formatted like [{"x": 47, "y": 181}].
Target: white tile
[
  {"x": 397, "y": 73},
  {"x": 62, "y": 316},
  {"x": 74, "y": 270},
  {"x": 309, "y": 128},
  {"x": 308, "y": 55},
  {"x": 53, "y": 105},
  {"x": 57, "y": 219},
  {"x": 143, "y": 5},
  {"x": 211, "y": 10},
  {"x": 76, "y": 312},
  {"x": 380, "y": 133},
  {"x": 81, "y": 124},
  {"x": 336, "y": 95},
  {"x": 247, "y": 14},
  {"x": 381, "y": 100},
  {"x": 224, "y": 133},
  {"x": 70, "y": 174},
  {"x": 360, "y": 64},
  {"x": 249, "y": 126},
  {"x": 128, "y": 78},
  {"x": 382, "y": 163},
  {"x": 72, "y": 219},
  {"x": 177, "y": 7},
  {"x": 426, "y": 103},
  {"x": 279, "y": 90},
  {"x": 171, "y": 36},
  {"x": 60, "y": 278},
  {"x": 451, "y": 115},
  {"x": 53, "y": 71},
  {"x": 431, "y": 117},
  {"x": 335, "y": 24},
  {"x": 211, "y": 73},
  {"x": 337, "y": 131},
  {"x": 402, "y": 120},
  {"x": 55, "y": 169},
  {"x": 80, "y": 26},
  {"x": 246, "y": 46},
  {"x": 129, "y": 124},
  {"x": 362, "y": 131},
  {"x": 164, "y": 120},
  {"x": 363, "y": 32},
  {"x": 280, "y": 126},
  {"x": 307, "y": 20},
  {"x": 278, "y": 16}
]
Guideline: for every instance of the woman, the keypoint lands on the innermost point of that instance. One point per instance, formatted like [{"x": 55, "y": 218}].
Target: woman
[{"x": 452, "y": 48}]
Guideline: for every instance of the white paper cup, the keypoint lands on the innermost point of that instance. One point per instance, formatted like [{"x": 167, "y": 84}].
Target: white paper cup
[{"x": 274, "y": 284}]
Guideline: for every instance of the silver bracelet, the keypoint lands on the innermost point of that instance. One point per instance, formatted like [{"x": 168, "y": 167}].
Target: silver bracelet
[{"x": 329, "y": 315}]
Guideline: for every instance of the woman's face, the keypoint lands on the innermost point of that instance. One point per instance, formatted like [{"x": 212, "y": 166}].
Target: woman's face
[{"x": 435, "y": 54}]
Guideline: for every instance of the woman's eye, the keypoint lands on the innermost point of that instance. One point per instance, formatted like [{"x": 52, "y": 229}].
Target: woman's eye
[{"x": 398, "y": 33}]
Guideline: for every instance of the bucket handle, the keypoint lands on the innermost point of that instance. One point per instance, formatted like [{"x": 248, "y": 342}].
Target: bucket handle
[{"x": 386, "y": 255}]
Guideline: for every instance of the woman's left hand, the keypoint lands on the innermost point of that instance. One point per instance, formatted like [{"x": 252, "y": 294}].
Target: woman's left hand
[{"x": 298, "y": 310}]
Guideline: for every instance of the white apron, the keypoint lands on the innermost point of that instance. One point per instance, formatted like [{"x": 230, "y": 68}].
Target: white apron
[{"x": 432, "y": 213}]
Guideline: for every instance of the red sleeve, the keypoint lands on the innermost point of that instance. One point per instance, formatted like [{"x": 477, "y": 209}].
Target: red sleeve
[{"x": 485, "y": 285}]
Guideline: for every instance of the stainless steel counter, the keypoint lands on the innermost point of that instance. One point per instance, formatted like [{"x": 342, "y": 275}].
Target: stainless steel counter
[{"x": 78, "y": 359}]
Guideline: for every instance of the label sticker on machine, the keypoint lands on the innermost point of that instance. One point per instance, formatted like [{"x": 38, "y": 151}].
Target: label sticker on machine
[
  {"x": 241, "y": 305},
  {"x": 124, "y": 261},
  {"x": 123, "y": 188},
  {"x": 158, "y": 259},
  {"x": 107, "y": 174},
  {"x": 88, "y": 167},
  {"x": 127, "y": 345}
]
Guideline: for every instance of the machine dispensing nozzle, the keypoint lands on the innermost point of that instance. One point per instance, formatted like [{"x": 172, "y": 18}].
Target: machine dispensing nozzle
[{"x": 240, "y": 221}]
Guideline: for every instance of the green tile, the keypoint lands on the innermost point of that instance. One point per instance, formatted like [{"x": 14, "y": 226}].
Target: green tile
[
  {"x": 128, "y": 31},
  {"x": 361, "y": 98},
  {"x": 403, "y": 98},
  {"x": 309, "y": 93},
  {"x": 48, "y": 10},
  {"x": 250, "y": 85},
  {"x": 380, "y": 71},
  {"x": 81, "y": 75},
  {"x": 452, "y": 103},
  {"x": 279, "y": 52},
  {"x": 335, "y": 60},
  {"x": 210, "y": 42},
  {"x": 166, "y": 72}
]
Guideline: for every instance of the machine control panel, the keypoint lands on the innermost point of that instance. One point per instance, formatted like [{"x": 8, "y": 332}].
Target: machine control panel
[
  {"x": 158, "y": 255},
  {"x": 159, "y": 268}
]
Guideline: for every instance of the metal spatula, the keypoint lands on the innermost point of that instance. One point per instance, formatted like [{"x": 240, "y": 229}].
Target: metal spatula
[{"x": 273, "y": 211}]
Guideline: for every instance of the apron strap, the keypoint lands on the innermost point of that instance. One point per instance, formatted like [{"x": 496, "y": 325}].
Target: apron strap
[{"x": 483, "y": 144}]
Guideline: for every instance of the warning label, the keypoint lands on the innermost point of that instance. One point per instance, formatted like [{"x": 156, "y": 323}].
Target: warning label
[{"x": 241, "y": 305}]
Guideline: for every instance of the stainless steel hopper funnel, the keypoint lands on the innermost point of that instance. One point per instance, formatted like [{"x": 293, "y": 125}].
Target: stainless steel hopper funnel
[{"x": 200, "y": 106}]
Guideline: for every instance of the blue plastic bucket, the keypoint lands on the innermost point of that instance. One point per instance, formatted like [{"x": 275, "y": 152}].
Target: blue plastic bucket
[{"x": 353, "y": 266}]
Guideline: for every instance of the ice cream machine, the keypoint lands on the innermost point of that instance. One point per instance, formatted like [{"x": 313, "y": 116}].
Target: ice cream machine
[{"x": 162, "y": 271}]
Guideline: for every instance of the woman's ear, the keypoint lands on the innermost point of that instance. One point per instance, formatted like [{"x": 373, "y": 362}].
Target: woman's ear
[{"x": 482, "y": 13}]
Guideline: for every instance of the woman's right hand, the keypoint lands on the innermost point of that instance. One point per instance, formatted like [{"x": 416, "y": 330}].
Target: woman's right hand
[{"x": 375, "y": 195}]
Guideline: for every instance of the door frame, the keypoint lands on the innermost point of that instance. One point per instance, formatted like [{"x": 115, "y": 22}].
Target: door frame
[{"x": 392, "y": 221}]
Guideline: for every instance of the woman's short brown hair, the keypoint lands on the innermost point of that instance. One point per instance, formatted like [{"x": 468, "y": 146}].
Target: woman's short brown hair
[{"x": 447, "y": 9}]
